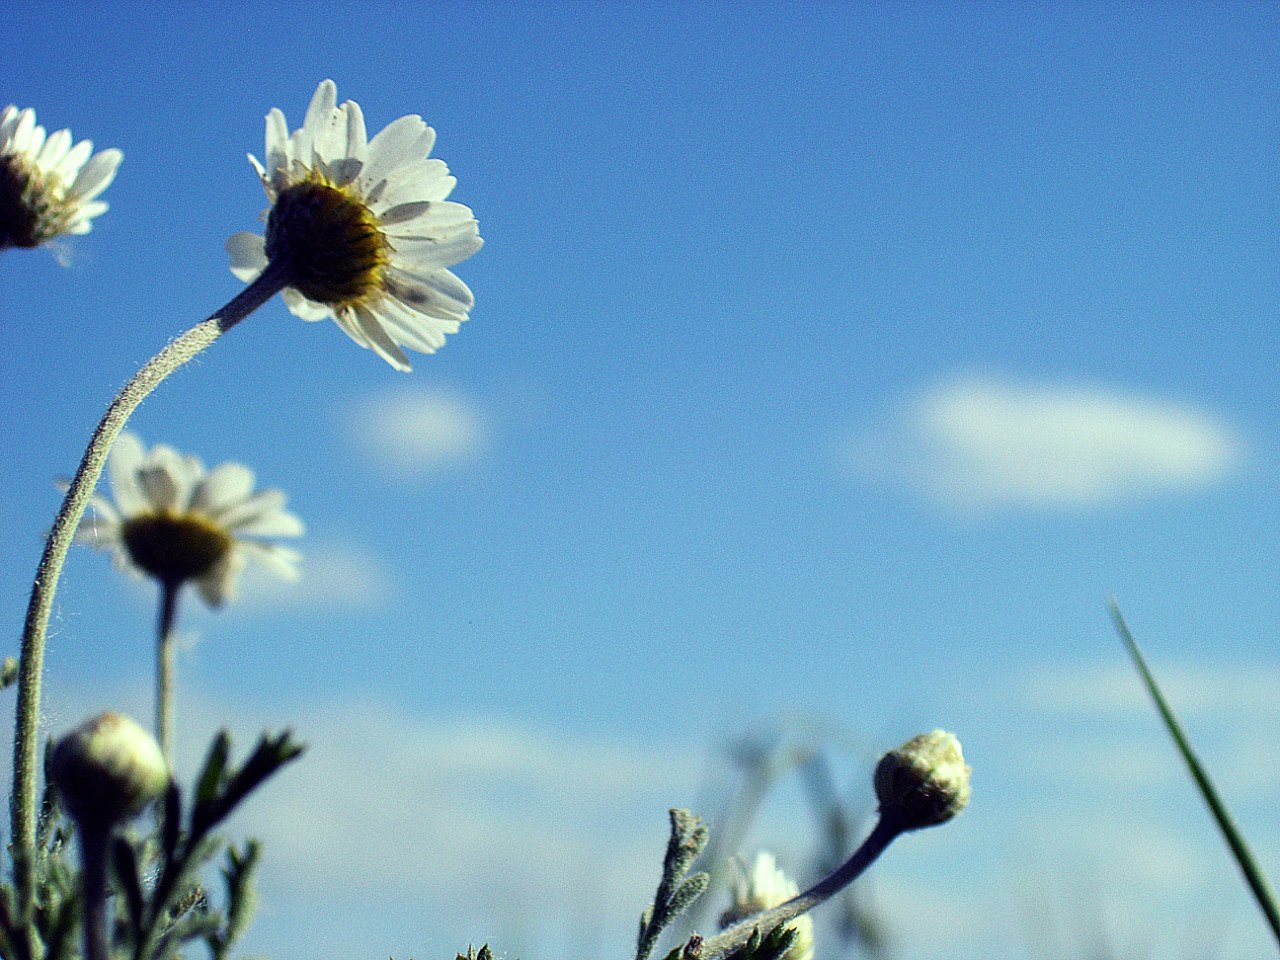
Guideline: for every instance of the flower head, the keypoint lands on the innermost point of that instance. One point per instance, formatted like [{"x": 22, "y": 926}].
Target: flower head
[
  {"x": 177, "y": 522},
  {"x": 361, "y": 228},
  {"x": 48, "y": 187},
  {"x": 924, "y": 782},
  {"x": 107, "y": 770},
  {"x": 764, "y": 888}
]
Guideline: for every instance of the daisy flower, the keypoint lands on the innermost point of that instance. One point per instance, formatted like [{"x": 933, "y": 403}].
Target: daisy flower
[
  {"x": 764, "y": 887},
  {"x": 178, "y": 522},
  {"x": 362, "y": 228},
  {"x": 47, "y": 186}
]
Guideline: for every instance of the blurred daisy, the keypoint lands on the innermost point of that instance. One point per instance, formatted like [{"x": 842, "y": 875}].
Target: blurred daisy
[
  {"x": 47, "y": 186},
  {"x": 178, "y": 522},
  {"x": 764, "y": 887},
  {"x": 362, "y": 228}
]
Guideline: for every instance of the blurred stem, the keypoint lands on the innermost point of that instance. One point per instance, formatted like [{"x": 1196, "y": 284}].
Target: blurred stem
[
  {"x": 737, "y": 936},
  {"x": 1253, "y": 874},
  {"x": 166, "y": 636},
  {"x": 94, "y": 842},
  {"x": 31, "y": 662}
]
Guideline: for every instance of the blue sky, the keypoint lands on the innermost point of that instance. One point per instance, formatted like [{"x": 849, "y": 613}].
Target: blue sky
[{"x": 826, "y": 360}]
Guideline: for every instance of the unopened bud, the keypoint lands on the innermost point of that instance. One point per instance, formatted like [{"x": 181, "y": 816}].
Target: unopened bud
[
  {"x": 107, "y": 770},
  {"x": 924, "y": 782}
]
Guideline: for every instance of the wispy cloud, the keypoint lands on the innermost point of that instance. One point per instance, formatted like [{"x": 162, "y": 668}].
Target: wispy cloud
[
  {"x": 984, "y": 443},
  {"x": 1238, "y": 691},
  {"x": 414, "y": 433}
]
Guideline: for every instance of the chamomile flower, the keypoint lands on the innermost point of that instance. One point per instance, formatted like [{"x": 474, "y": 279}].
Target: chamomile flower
[
  {"x": 48, "y": 186},
  {"x": 177, "y": 522},
  {"x": 764, "y": 887},
  {"x": 362, "y": 228}
]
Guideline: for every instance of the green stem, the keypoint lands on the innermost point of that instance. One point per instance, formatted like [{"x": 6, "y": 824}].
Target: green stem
[
  {"x": 94, "y": 843},
  {"x": 165, "y": 656},
  {"x": 31, "y": 661},
  {"x": 737, "y": 936},
  {"x": 1253, "y": 874}
]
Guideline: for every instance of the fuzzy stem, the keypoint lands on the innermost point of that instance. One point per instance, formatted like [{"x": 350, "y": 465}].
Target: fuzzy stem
[
  {"x": 94, "y": 842},
  {"x": 737, "y": 936},
  {"x": 31, "y": 661},
  {"x": 165, "y": 656}
]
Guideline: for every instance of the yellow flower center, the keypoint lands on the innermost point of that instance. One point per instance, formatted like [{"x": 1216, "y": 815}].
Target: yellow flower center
[
  {"x": 32, "y": 208},
  {"x": 335, "y": 252},
  {"x": 175, "y": 548}
]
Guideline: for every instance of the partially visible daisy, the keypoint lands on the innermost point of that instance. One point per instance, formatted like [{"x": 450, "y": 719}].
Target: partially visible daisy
[
  {"x": 764, "y": 887},
  {"x": 178, "y": 522},
  {"x": 362, "y": 228},
  {"x": 48, "y": 187}
]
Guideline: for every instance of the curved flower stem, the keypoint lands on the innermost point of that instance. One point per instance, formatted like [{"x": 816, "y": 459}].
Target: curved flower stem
[
  {"x": 165, "y": 655},
  {"x": 737, "y": 936},
  {"x": 31, "y": 661}
]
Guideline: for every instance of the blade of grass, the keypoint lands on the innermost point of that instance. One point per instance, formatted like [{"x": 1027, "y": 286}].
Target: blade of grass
[{"x": 1253, "y": 874}]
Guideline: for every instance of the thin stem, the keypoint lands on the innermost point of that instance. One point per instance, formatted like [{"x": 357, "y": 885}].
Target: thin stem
[
  {"x": 737, "y": 936},
  {"x": 165, "y": 656},
  {"x": 94, "y": 843},
  {"x": 31, "y": 669}
]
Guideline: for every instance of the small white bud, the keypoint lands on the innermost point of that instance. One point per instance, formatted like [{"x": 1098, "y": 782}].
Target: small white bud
[
  {"x": 107, "y": 770},
  {"x": 924, "y": 782}
]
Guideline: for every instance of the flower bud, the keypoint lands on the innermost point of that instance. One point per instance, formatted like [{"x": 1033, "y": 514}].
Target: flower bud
[
  {"x": 107, "y": 770},
  {"x": 924, "y": 782},
  {"x": 764, "y": 888}
]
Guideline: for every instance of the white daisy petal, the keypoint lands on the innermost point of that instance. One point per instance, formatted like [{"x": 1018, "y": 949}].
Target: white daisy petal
[
  {"x": 436, "y": 294},
  {"x": 282, "y": 561},
  {"x": 279, "y": 523},
  {"x": 301, "y": 307},
  {"x": 415, "y": 331},
  {"x": 346, "y": 320},
  {"x": 277, "y": 142},
  {"x": 54, "y": 150},
  {"x": 122, "y": 472},
  {"x": 226, "y": 485},
  {"x": 402, "y": 140},
  {"x": 357, "y": 137},
  {"x": 431, "y": 217},
  {"x": 69, "y": 166},
  {"x": 96, "y": 175},
  {"x": 439, "y": 252},
  {"x": 158, "y": 487},
  {"x": 380, "y": 340},
  {"x": 219, "y": 584},
  {"x": 251, "y": 509},
  {"x": 323, "y": 103}
]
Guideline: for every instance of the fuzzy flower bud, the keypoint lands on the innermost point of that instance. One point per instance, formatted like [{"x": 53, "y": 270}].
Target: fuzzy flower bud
[
  {"x": 762, "y": 887},
  {"x": 924, "y": 782},
  {"x": 107, "y": 770}
]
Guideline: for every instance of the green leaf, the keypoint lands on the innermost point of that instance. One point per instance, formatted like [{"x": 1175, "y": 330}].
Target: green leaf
[
  {"x": 686, "y": 893},
  {"x": 1244, "y": 857},
  {"x": 211, "y": 777},
  {"x": 268, "y": 757}
]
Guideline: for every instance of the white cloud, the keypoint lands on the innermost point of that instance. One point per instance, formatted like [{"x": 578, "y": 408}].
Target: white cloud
[
  {"x": 977, "y": 444},
  {"x": 416, "y": 433},
  {"x": 1240, "y": 690}
]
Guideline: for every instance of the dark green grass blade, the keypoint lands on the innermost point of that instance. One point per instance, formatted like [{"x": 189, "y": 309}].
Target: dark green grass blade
[{"x": 1231, "y": 833}]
